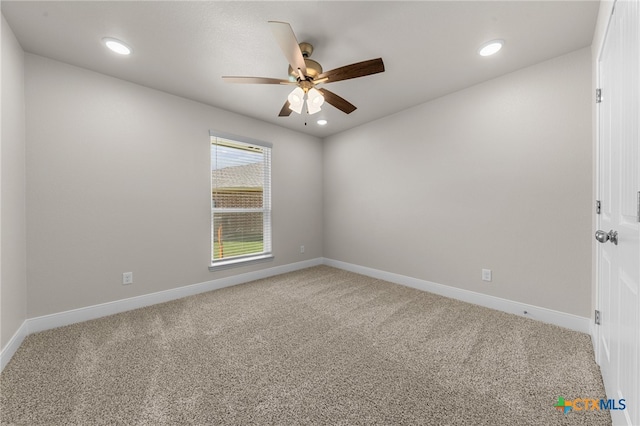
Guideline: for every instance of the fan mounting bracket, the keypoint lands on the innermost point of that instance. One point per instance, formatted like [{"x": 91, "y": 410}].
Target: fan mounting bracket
[{"x": 306, "y": 49}]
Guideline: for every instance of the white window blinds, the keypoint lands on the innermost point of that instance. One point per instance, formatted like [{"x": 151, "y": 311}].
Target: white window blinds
[{"x": 240, "y": 199}]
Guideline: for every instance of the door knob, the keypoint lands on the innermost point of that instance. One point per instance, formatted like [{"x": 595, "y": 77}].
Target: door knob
[{"x": 603, "y": 237}]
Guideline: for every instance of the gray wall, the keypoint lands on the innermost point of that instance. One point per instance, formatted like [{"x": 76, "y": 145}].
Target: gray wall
[
  {"x": 496, "y": 176},
  {"x": 13, "y": 282},
  {"x": 118, "y": 180}
]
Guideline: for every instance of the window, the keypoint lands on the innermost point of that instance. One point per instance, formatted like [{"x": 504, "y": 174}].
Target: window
[{"x": 240, "y": 200}]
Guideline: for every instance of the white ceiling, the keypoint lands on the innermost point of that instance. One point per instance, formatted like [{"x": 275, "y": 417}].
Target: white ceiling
[{"x": 184, "y": 47}]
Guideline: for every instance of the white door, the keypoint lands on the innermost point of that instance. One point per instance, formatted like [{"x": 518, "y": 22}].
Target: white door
[{"x": 618, "y": 187}]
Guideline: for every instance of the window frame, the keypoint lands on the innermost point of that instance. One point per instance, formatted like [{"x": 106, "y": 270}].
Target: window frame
[{"x": 266, "y": 209}]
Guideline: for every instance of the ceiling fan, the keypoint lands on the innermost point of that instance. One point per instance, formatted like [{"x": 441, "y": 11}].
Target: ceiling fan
[{"x": 306, "y": 73}]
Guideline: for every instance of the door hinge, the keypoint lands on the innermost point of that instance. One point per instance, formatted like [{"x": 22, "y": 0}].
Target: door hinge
[
  {"x": 598, "y": 206},
  {"x": 596, "y": 317},
  {"x": 598, "y": 96},
  {"x": 638, "y": 208}
]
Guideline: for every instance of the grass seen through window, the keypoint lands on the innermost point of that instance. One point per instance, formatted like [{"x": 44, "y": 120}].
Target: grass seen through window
[{"x": 236, "y": 248}]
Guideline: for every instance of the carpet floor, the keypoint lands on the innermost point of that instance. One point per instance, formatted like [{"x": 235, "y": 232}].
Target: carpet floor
[{"x": 315, "y": 346}]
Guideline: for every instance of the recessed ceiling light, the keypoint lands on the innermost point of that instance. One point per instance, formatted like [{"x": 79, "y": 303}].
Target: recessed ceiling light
[
  {"x": 322, "y": 122},
  {"x": 117, "y": 46},
  {"x": 491, "y": 47}
]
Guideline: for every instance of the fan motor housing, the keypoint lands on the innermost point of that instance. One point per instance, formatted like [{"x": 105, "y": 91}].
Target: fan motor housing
[{"x": 313, "y": 68}]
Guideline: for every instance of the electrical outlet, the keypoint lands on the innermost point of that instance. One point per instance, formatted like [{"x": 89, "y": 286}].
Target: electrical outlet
[
  {"x": 127, "y": 278},
  {"x": 486, "y": 275},
  {"x": 301, "y": 249}
]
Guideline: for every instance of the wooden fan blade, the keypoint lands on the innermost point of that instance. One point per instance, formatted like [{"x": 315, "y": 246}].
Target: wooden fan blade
[
  {"x": 255, "y": 80},
  {"x": 285, "y": 111},
  {"x": 338, "y": 102},
  {"x": 287, "y": 41},
  {"x": 360, "y": 69}
]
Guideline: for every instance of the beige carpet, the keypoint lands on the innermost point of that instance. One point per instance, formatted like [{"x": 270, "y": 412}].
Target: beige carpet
[{"x": 317, "y": 346}]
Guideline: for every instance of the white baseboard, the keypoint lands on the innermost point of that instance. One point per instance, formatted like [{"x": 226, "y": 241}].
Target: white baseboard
[
  {"x": 549, "y": 316},
  {"x": 12, "y": 345},
  {"x": 60, "y": 319},
  {"x": 47, "y": 322}
]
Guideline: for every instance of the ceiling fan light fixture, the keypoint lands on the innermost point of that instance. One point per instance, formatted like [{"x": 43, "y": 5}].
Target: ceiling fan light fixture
[
  {"x": 315, "y": 97},
  {"x": 296, "y": 100},
  {"x": 322, "y": 122},
  {"x": 314, "y": 100},
  {"x": 305, "y": 73},
  {"x": 312, "y": 109},
  {"x": 490, "y": 48}
]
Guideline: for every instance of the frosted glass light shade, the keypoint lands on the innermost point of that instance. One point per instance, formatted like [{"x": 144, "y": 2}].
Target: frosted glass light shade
[
  {"x": 314, "y": 101},
  {"x": 296, "y": 100}
]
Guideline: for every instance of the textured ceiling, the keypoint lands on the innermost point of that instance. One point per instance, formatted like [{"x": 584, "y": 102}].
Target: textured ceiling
[{"x": 184, "y": 47}]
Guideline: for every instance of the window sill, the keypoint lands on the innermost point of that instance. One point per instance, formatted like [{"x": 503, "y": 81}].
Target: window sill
[{"x": 242, "y": 261}]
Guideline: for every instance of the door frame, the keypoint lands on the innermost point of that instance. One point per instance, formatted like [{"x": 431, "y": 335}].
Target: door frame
[
  {"x": 603, "y": 26},
  {"x": 595, "y": 334}
]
